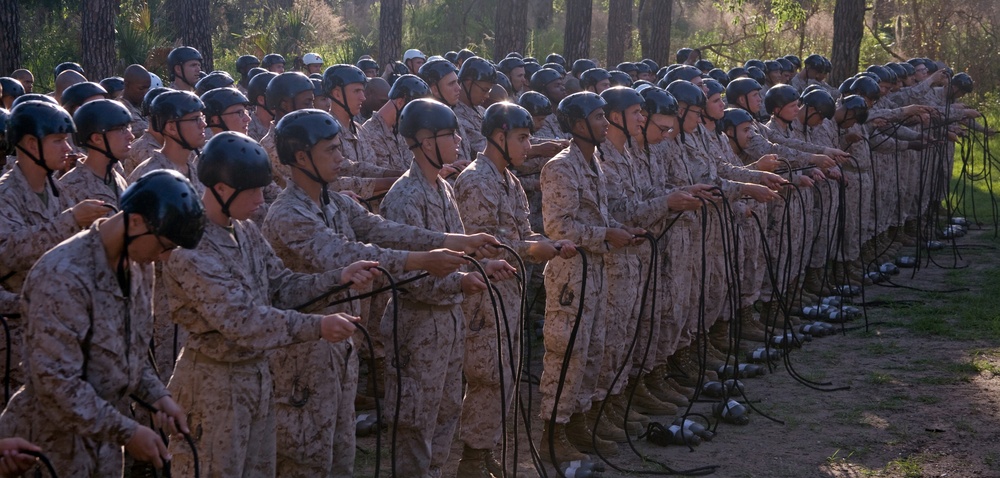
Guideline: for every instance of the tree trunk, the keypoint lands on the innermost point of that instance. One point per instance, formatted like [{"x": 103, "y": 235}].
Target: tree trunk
[
  {"x": 541, "y": 13},
  {"x": 97, "y": 38},
  {"x": 511, "y": 27},
  {"x": 619, "y": 30},
  {"x": 193, "y": 23},
  {"x": 10, "y": 36},
  {"x": 390, "y": 31},
  {"x": 655, "y": 18},
  {"x": 848, "y": 29},
  {"x": 576, "y": 37}
]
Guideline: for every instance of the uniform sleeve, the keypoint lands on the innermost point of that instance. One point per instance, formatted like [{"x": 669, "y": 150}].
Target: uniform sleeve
[
  {"x": 479, "y": 203},
  {"x": 21, "y": 245},
  {"x": 226, "y": 305},
  {"x": 624, "y": 204},
  {"x": 561, "y": 201},
  {"x": 758, "y": 145},
  {"x": 377, "y": 229},
  {"x": 798, "y": 144},
  {"x": 10, "y": 303},
  {"x": 429, "y": 290},
  {"x": 54, "y": 353},
  {"x": 363, "y": 187}
]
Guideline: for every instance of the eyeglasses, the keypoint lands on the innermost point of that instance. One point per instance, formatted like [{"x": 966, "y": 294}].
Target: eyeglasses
[
  {"x": 199, "y": 119},
  {"x": 445, "y": 135},
  {"x": 242, "y": 112},
  {"x": 663, "y": 129}
]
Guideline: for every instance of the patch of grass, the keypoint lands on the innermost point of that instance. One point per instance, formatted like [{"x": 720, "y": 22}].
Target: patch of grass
[
  {"x": 928, "y": 399},
  {"x": 984, "y": 365},
  {"x": 878, "y": 378},
  {"x": 893, "y": 403},
  {"x": 884, "y": 348},
  {"x": 908, "y": 467},
  {"x": 940, "y": 380}
]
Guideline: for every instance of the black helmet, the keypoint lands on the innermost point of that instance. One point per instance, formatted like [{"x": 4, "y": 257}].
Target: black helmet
[
  {"x": 284, "y": 87},
  {"x": 869, "y": 74},
  {"x": 464, "y": 54},
  {"x": 532, "y": 68},
  {"x": 757, "y": 74},
  {"x": 67, "y": 65},
  {"x": 683, "y": 72},
  {"x": 785, "y": 65},
  {"x": 686, "y": 92},
  {"x": 215, "y": 79},
  {"x": 734, "y": 117},
  {"x": 740, "y": 88},
  {"x": 713, "y": 87},
  {"x": 814, "y": 62},
  {"x": 536, "y": 103},
  {"x": 618, "y": 78},
  {"x": 794, "y": 60},
  {"x": 653, "y": 66},
  {"x": 271, "y": 59},
  {"x": 38, "y": 119},
  {"x": 736, "y": 72},
  {"x": 367, "y": 64},
  {"x": 778, "y": 96},
  {"x": 656, "y": 101},
  {"x": 555, "y": 58},
  {"x": 704, "y": 65},
  {"x": 172, "y": 105},
  {"x": 771, "y": 66},
  {"x": 507, "y": 117},
  {"x": 759, "y": 64},
  {"x": 683, "y": 54},
  {"x": 426, "y": 114},
  {"x": 627, "y": 67},
  {"x": 642, "y": 67},
  {"x": 317, "y": 81},
  {"x": 217, "y": 101},
  {"x": 99, "y": 116},
  {"x": 557, "y": 67},
  {"x": 75, "y": 95},
  {"x": 254, "y": 72},
  {"x": 477, "y": 69},
  {"x": 821, "y": 102},
  {"x": 301, "y": 130},
  {"x": 908, "y": 68},
  {"x": 6, "y": 148},
  {"x": 258, "y": 87},
  {"x": 147, "y": 99},
  {"x": 33, "y": 97},
  {"x": 594, "y": 76},
  {"x": 897, "y": 70},
  {"x": 168, "y": 203},
  {"x": 245, "y": 63},
  {"x": 434, "y": 70},
  {"x": 339, "y": 76},
  {"x": 452, "y": 56},
  {"x": 883, "y": 73},
  {"x": 113, "y": 84},
  {"x": 236, "y": 160},
  {"x": 577, "y": 106},
  {"x": 180, "y": 56},
  {"x": 582, "y": 65},
  {"x": 508, "y": 64},
  {"x": 719, "y": 76},
  {"x": 514, "y": 54},
  {"x": 505, "y": 83},
  {"x": 11, "y": 87},
  {"x": 866, "y": 87},
  {"x": 619, "y": 98},
  {"x": 963, "y": 82},
  {"x": 542, "y": 78},
  {"x": 845, "y": 86},
  {"x": 409, "y": 87},
  {"x": 857, "y": 105}
]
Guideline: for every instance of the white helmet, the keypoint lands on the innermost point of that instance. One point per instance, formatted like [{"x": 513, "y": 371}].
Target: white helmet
[
  {"x": 413, "y": 53},
  {"x": 155, "y": 81},
  {"x": 312, "y": 59}
]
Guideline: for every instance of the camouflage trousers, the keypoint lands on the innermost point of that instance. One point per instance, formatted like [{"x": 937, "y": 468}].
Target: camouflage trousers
[
  {"x": 679, "y": 247},
  {"x": 858, "y": 222},
  {"x": 826, "y": 208},
  {"x": 563, "y": 278},
  {"x": 625, "y": 279},
  {"x": 314, "y": 388},
  {"x": 429, "y": 367},
  {"x": 231, "y": 415},
  {"x": 751, "y": 254}
]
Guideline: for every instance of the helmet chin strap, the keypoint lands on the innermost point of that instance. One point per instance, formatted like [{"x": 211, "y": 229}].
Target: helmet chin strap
[
  {"x": 315, "y": 177},
  {"x": 623, "y": 128},
  {"x": 437, "y": 151},
  {"x": 181, "y": 140},
  {"x": 108, "y": 176},
  {"x": 504, "y": 150},
  {"x": 343, "y": 104},
  {"x": 225, "y": 204},
  {"x": 40, "y": 161}
]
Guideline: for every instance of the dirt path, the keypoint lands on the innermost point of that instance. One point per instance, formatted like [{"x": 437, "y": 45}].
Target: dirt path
[{"x": 919, "y": 404}]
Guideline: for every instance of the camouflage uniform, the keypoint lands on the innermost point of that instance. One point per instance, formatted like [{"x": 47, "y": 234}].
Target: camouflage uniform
[
  {"x": 85, "y": 353},
  {"x": 139, "y": 125},
  {"x": 493, "y": 202},
  {"x": 360, "y": 168},
  {"x": 430, "y": 331},
  {"x": 142, "y": 149},
  {"x": 30, "y": 224},
  {"x": 470, "y": 119},
  {"x": 575, "y": 208},
  {"x": 229, "y": 294},
  {"x": 81, "y": 183},
  {"x": 279, "y": 170},
  {"x": 550, "y": 129},
  {"x": 857, "y": 193},
  {"x": 257, "y": 129},
  {"x": 391, "y": 150},
  {"x": 157, "y": 160},
  {"x": 315, "y": 382}
]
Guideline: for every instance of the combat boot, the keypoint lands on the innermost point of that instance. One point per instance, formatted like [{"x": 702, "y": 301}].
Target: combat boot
[
  {"x": 634, "y": 417},
  {"x": 662, "y": 390},
  {"x": 606, "y": 427},
  {"x": 644, "y": 402},
  {"x": 718, "y": 336},
  {"x": 580, "y": 435},
  {"x": 473, "y": 463},
  {"x": 813, "y": 282},
  {"x": 555, "y": 442},
  {"x": 750, "y": 328}
]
